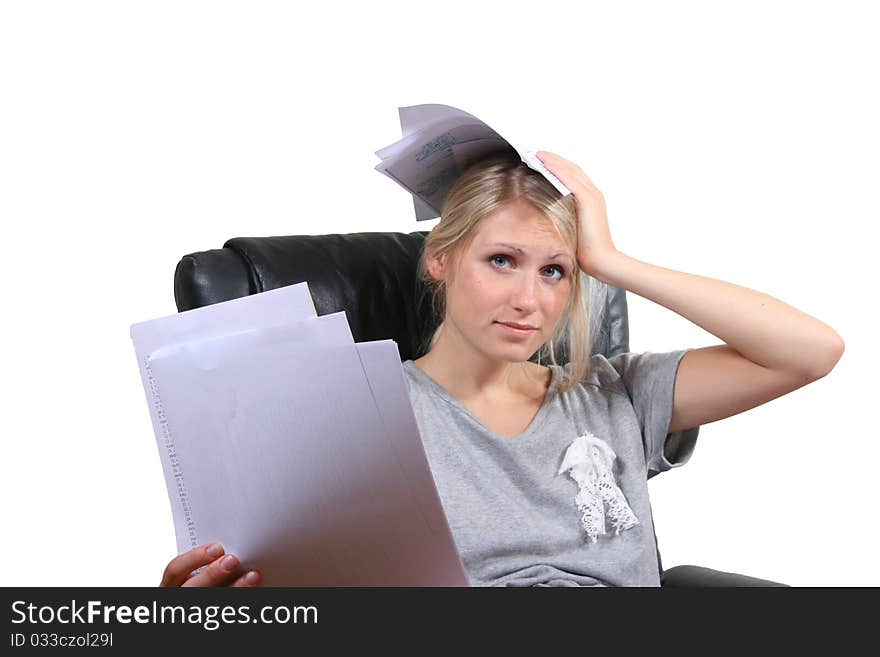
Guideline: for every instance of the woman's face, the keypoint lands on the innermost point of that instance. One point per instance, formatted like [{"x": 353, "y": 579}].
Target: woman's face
[{"x": 515, "y": 270}]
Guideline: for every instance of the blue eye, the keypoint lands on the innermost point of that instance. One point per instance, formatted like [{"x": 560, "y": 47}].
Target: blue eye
[{"x": 561, "y": 270}]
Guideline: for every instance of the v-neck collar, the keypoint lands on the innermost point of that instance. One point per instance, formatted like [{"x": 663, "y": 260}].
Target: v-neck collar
[{"x": 533, "y": 426}]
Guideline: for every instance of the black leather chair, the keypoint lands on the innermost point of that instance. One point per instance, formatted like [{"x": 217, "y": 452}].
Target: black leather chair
[{"x": 372, "y": 277}]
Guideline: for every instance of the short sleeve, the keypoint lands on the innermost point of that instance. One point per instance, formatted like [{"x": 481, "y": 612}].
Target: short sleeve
[{"x": 649, "y": 379}]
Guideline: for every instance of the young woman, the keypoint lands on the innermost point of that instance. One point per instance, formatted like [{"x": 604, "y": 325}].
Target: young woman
[{"x": 542, "y": 469}]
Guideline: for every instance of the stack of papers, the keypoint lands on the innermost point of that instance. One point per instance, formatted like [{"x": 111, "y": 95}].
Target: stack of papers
[
  {"x": 293, "y": 446},
  {"x": 439, "y": 143}
]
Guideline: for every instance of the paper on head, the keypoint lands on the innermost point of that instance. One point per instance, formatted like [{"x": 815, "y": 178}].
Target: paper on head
[{"x": 439, "y": 142}]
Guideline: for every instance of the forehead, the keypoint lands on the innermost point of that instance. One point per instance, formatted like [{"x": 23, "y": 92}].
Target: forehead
[{"x": 519, "y": 225}]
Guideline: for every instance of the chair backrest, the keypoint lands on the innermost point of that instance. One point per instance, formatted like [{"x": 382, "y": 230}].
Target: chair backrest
[{"x": 371, "y": 276}]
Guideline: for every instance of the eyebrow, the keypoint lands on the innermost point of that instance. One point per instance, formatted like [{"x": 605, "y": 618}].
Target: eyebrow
[{"x": 520, "y": 250}]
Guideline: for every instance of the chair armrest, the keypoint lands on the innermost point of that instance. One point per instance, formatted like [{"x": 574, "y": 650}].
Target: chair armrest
[{"x": 693, "y": 576}]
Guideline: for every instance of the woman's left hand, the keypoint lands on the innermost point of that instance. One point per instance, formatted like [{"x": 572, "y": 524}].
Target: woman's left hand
[{"x": 594, "y": 236}]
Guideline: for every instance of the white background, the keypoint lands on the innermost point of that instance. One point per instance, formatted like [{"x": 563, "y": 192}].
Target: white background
[{"x": 734, "y": 140}]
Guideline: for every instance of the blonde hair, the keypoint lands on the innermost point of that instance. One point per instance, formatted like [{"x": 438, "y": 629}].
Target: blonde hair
[{"x": 482, "y": 189}]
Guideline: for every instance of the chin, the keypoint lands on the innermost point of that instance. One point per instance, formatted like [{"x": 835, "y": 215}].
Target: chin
[{"x": 512, "y": 353}]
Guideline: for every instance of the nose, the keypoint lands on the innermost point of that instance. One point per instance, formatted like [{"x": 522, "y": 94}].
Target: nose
[{"x": 523, "y": 299}]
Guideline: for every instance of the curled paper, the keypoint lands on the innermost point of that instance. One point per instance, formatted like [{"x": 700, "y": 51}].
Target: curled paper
[
  {"x": 589, "y": 461},
  {"x": 439, "y": 142}
]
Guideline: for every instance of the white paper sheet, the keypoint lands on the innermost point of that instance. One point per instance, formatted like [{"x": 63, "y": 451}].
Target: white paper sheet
[
  {"x": 295, "y": 448},
  {"x": 280, "y": 306}
]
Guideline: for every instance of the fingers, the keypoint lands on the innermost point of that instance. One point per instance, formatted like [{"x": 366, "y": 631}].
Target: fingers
[
  {"x": 219, "y": 569},
  {"x": 250, "y": 578},
  {"x": 179, "y": 569},
  {"x": 217, "y": 573},
  {"x": 571, "y": 170}
]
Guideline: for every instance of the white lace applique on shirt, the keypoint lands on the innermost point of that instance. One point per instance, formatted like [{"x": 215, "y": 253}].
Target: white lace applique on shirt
[{"x": 590, "y": 460}]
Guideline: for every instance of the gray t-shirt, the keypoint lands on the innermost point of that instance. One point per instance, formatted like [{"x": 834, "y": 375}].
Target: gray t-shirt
[{"x": 513, "y": 516}]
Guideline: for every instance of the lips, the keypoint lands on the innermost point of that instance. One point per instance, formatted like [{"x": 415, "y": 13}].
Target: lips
[{"x": 519, "y": 326}]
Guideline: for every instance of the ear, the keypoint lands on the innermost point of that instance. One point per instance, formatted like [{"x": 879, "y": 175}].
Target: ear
[{"x": 436, "y": 265}]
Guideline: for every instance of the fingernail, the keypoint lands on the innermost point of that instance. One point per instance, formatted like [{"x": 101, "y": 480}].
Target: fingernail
[
  {"x": 214, "y": 550},
  {"x": 252, "y": 577},
  {"x": 230, "y": 562}
]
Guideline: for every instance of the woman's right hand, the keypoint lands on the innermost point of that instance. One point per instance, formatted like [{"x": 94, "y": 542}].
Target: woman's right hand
[{"x": 222, "y": 570}]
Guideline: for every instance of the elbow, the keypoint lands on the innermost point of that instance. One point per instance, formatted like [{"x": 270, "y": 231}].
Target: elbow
[{"x": 830, "y": 361}]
